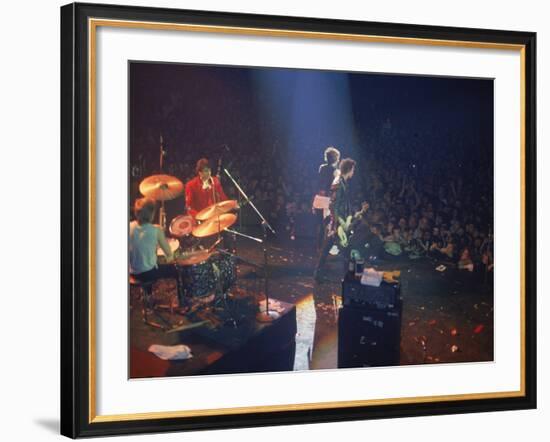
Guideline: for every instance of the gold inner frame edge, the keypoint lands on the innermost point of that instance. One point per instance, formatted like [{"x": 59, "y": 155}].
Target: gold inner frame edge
[{"x": 93, "y": 23}]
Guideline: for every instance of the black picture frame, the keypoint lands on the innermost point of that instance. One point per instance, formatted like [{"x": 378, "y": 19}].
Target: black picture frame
[{"x": 77, "y": 418}]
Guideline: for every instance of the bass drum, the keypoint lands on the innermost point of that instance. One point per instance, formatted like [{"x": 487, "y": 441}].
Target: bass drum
[
  {"x": 213, "y": 275},
  {"x": 224, "y": 266}
]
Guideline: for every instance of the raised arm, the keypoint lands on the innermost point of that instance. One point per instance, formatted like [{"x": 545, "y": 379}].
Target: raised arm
[
  {"x": 359, "y": 214},
  {"x": 164, "y": 245}
]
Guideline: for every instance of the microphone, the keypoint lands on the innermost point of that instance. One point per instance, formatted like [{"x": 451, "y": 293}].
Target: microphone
[
  {"x": 162, "y": 152},
  {"x": 219, "y": 167}
]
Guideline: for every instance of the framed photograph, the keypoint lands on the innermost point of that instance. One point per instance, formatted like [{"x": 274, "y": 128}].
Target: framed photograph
[{"x": 274, "y": 220}]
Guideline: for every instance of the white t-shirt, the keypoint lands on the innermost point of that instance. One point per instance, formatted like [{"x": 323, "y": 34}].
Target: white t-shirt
[{"x": 143, "y": 247}]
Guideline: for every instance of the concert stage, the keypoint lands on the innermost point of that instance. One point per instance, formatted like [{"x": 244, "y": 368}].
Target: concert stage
[
  {"x": 446, "y": 317},
  {"x": 221, "y": 346}
]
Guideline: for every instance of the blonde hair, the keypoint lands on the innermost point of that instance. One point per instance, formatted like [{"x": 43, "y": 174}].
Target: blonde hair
[
  {"x": 331, "y": 155},
  {"x": 144, "y": 210}
]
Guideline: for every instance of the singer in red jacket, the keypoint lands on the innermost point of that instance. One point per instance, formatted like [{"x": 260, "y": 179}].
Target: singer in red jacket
[{"x": 203, "y": 190}]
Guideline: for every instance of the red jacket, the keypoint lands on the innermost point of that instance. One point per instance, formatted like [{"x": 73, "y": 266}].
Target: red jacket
[{"x": 197, "y": 198}]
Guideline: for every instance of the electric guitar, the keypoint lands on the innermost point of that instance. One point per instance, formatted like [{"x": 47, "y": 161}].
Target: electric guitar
[{"x": 344, "y": 226}]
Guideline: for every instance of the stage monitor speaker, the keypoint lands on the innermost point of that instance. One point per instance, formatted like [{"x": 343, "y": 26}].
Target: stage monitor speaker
[
  {"x": 369, "y": 337},
  {"x": 355, "y": 294}
]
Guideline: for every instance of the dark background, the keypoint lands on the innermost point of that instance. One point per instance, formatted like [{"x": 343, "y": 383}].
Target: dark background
[{"x": 270, "y": 127}]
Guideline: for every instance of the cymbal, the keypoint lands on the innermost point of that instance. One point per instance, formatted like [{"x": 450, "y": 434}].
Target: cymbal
[
  {"x": 216, "y": 209},
  {"x": 161, "y": 187},
  {"x": 214, "y": 225},
  {"x": 192, "y": 258}
]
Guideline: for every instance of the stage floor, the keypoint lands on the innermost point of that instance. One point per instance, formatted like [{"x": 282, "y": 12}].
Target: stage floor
[{"x": 447, "y": 316}]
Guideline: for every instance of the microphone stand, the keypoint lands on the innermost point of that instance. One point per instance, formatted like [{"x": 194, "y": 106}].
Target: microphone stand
[
  {"x": 162, "y": 212},
  {"x": 267, "y": 315},
  {"x": 215, "y": 199}
]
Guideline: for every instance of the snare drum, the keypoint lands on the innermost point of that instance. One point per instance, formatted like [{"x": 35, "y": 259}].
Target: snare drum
[{"x": 174, "y": 246}]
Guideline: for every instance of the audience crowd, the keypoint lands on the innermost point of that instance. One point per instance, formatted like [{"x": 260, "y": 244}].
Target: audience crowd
[{"x": 430, "y": 194}]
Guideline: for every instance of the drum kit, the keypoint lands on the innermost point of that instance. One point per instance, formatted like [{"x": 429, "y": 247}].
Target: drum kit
[{"x": 203, "y": 271}]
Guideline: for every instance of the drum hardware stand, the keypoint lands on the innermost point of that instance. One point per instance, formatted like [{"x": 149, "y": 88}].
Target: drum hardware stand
[
  {"x": 213, "y": 246},
  {"x": 185, "y": 327},
  {"x": 162, "y": 212},
  {"x": 221, "y": 294},
  {"x": 235, "y": 232},
  {"x": 179, "y": 310},
  {"x": 148, "y": 302},
  {"x": 145, "y": 317},
  {"x": 223, "y": 299},
  {"x": 266, "y": 315},
  {"x": 239, "y": 201},
  {"x": 162, "y": 216}
]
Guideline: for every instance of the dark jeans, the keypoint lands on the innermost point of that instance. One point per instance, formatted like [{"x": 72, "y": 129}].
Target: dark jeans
[
  {"x": 328, "y": 242},
  {"x": 163, "y": 271},
  {"x": 320, "y": 225}
]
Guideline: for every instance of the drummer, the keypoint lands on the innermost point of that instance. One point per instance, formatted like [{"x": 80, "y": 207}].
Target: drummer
[
  {"x": 144, "y": 239},
  {"x": 203, "y": 190}
]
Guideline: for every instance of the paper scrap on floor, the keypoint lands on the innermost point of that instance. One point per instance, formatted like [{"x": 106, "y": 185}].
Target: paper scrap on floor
[{"x": 173, "y": 352}]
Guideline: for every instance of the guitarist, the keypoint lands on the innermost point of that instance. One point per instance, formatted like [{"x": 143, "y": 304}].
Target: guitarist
[
  {"x": 328, "y": 171},
  {"x": 340, "y": 211}
]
